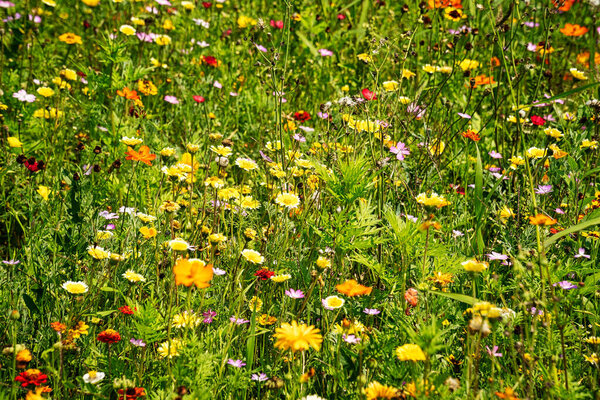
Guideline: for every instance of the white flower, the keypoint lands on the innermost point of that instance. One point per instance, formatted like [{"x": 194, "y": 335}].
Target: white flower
[
  {"x": 93, "y": 377},
  {"x": 22, "y": 95}
]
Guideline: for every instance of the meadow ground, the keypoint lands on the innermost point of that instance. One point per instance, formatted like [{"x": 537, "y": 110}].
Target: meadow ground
[{"x": 363, "y": 199}]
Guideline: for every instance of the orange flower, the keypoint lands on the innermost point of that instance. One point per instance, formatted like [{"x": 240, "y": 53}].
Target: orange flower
[
  {"x": 542, "y": 219},
  {"x": 192, "y": 271},
  {"x": 143, "y": 155},
  {"x": 563, "y": 5},
  {"x": 584, "y": 58},
  {"x": 508, "y": 394},
  {"x": 481, "y": 80},
  {"x": 445, "y": 3},
  {"x": 574, "y": 30},
  {"x": 469, "y": 134},
  {"x": 412, "y": 297},
  {"x": 58, "y": 327},
  {"x": 109, "y": 336},
  {"x": 494, "y": 62},
  {"x": 128, "y": 94},
  {"x": 352, "y": 288}
]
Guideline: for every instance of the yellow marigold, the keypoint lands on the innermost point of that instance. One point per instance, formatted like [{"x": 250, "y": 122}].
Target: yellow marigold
[
  {"x": 410, "y": 352},
  {"x": 474, "y": 266},
  {"x": 468, "y": 65},
  {"x": 70, "y": 38},
  {"x": 376, "y": 390},
  {"x": 244, "y": 22},
  {"x": 434, "y": 200}
]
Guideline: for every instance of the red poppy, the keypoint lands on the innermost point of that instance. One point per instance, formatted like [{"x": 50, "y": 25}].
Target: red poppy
[
  {"x": 264, "y": 274},
  {"x": 539, "y": 121},
  {"x": 206, "y": 4},
  {"x": 109, "y": 336},
  {"x": 31, "y": 377},
  {"x": 126, "y": 310},
  {"x": 277, "y": 24},
  {"x": 199, "y": 99},
  {"x": 301, "y": 116},
  {"x": 131, "y": 393},
  {"x": 368, "y": 95}
]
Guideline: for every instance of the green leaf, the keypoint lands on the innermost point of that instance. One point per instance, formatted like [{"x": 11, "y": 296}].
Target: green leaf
[
  {"x": 478, "y": 202},
  {"x": 570, "y": 92},
  {"x": 30, "y": 304},
  {"x": 456, "y": 296},
  {"x": 307, "y": 43},
  {"x": 573, "y": 229}
]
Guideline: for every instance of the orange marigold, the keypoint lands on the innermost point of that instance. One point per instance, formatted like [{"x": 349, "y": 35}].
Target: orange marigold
[
  {"x": 573, "y": 30},
  {"x": 542, "y": 219},
  {"x": 193, "y": 271}
]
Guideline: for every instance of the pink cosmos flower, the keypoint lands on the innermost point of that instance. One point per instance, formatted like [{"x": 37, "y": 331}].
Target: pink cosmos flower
[{"x": 171, "y": 99}]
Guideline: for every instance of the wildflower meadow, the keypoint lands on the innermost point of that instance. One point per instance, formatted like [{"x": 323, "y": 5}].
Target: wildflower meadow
[{"x": 294, "y": 199}]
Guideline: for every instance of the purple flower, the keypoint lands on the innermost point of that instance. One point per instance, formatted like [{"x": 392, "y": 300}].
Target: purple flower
[
  {"x": 217, "y": 84},
  {"x": 239, "y": 321},
  {"x": 171, "y": 99},
  {"x": 145, "y": 37},
  {"x": 352, "y": 339},
  {"x": 110, "y": 227},
  {"x": 265, "y": 157},
  {"x": 294, "y": 294},
  {"x": 261, "y": 48},
  {"x": 565, "y": 285},
  {"x": 559, "y": 211},
  {"x": 10, "y": 262},
  {"x": 259, "y": 377},
  {"x": 414, "y": 108},
  {"x": 371, "y": 311},
  {"x": 493, "y": 352},
  {"x": 208, "y": 316},
  {"x": 496, "y": 256},
  {"x": 531, "y": 46},
  {"x": 325, "y": 52},
  {"x": 544, "y": 189},
  {"x": 322, "y": 115},
  {"x": 463, "y": 115},
  {"x": 581, "y": 253},
  {"x": 495, "y": 154},
  {"x": 400, "y": 150},
  {"x": 108, "y": 215},
  {"x": 456, "y": 233},
  {"x": 163, "y": 2},
  {"x": 6, "y": 4},
  {"x": 137, "y": 342},
  {"x": 236, "y": 363},
  {"x": 299, "y": 138},
  {"x": 535, "y": 311},
  {"x": 218, "y": 271},
  {"x": 531, "y": 24}
]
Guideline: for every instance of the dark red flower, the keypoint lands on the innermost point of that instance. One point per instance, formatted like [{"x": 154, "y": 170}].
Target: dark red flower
[
  {"x": 126, "y": 310},
  {"x": 31, "y": 377},
  {"x": 301, "y": 116},
  {"x": 199, "y": 99},
  {"x": 206, "y": 4},
  {"x": 277, "y": 24},
  {"x": 264, "y": 274},
  {"x": 33, "y": 165},
  {"x": 539, "y": 121},
  {"x": 109, "y": 336},
  {"x": 368, "y": 95},
  {"x": 131, "y": 393}
]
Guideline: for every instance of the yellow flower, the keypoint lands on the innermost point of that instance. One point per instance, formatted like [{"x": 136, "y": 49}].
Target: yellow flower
[
  {"x": 133, "y": 276},
  {"x": 593, "y": 358},
  {"x": 406, "y": 74},
  {"x": 435, "y": 200},
  {"x": 246, "y": 164},
  {"x": 366, "y": 58},
  {"x": 162, "y": 40},
  {"x": 188, "y": 5},
  {"x": 266, "y": 319},
  {"x": 146, "y": 217},
  {"x": 505, "y": 213},
  {"x": 244, "y": 22},
  {"x": 45, "y": 91},
  {"x": 333, "y": 302},
  {"x": 103, "y": 235},
  {"x": 289, "y": 200},
  {"x": 91, "y": 3},
  {"x": 454, "y": 14},
  {"x": 69, "y": 74},
  {"x": 253, "y": 256},
  {"x": 578, "y": 74},
  {"x": 468, "y": 65},
  {"x": 390, "y": 86},
  {"x": 474, "y": 266},
  {"x": 255, "y": 304},
  {"x": 297, "y": 337},
  {"x": 178, "y": 244},
  {"x": 127, "y": 30},
  {"x": 168, "y": 25},
  {"x": 589, "y": 144},
  {"x": 167, "y": 152},
  {"x": 148, "y": 233},
  {"x": 281, "y": 278},
  {"x": 70, "y": 38},
  {"x": 50, "y": 3},
  {"x": 223, "y": 151},
  {"x": 169, "y": 349},
  {"x": 131, "y": 141},
  {"x": 534, "y": 152},
  {"x": 430, "y": 69},
  {"x": 323, "y": 262},
  {"x": 345, "y": 88},
  {"x": 410, "y": 352},
  {"x": 137, "y": 21},
  {"x": 98, "y": 253},
  {"x": 14, "y": 141},
  {"x": 247, "y": 202},
  {"x": 217, "y": 238},
  {"x": 75, "y": 287},
  {"x": 228, "y": 194},
  {"x": 185, "y": 319},
  {"x": 376, "y": 390},
  {"x": 553, "y": 132},
  {"x": 61, "y": 83}
]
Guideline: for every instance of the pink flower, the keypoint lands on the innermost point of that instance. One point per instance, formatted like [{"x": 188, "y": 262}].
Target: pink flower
[
  {"x": 495, "y": 154},
  {"x": 171, "y": 99},
  {"x": 277, "y": 24},
  {"x": 493, "y": 352},
  {"x": 199, "y": 99},
  {"x": 218, "y": 85},
  {"x": 325, "y": 52},
  {"x": 400, "y": 150}
]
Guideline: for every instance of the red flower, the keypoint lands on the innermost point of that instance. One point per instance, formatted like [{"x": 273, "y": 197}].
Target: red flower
[
  {"x": 206, "y": 4},
  {"x": 31, "y": 377},
  {"x": 539, "y": 121},
  {"x": 210, "y": 60},
  {"x": 264, "y": 274},
  {"x": 109, "y": 336},
  {"x": 126, "y": 310},
  {"x": 277, "y": 24},
  {"x": 368, "y": 95},
  {"x": 131, "y": 393},
  {"x": 301, "y": 116},
  {"x": 199, "y": 99},
  {"x": 341, "y": 16}
]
